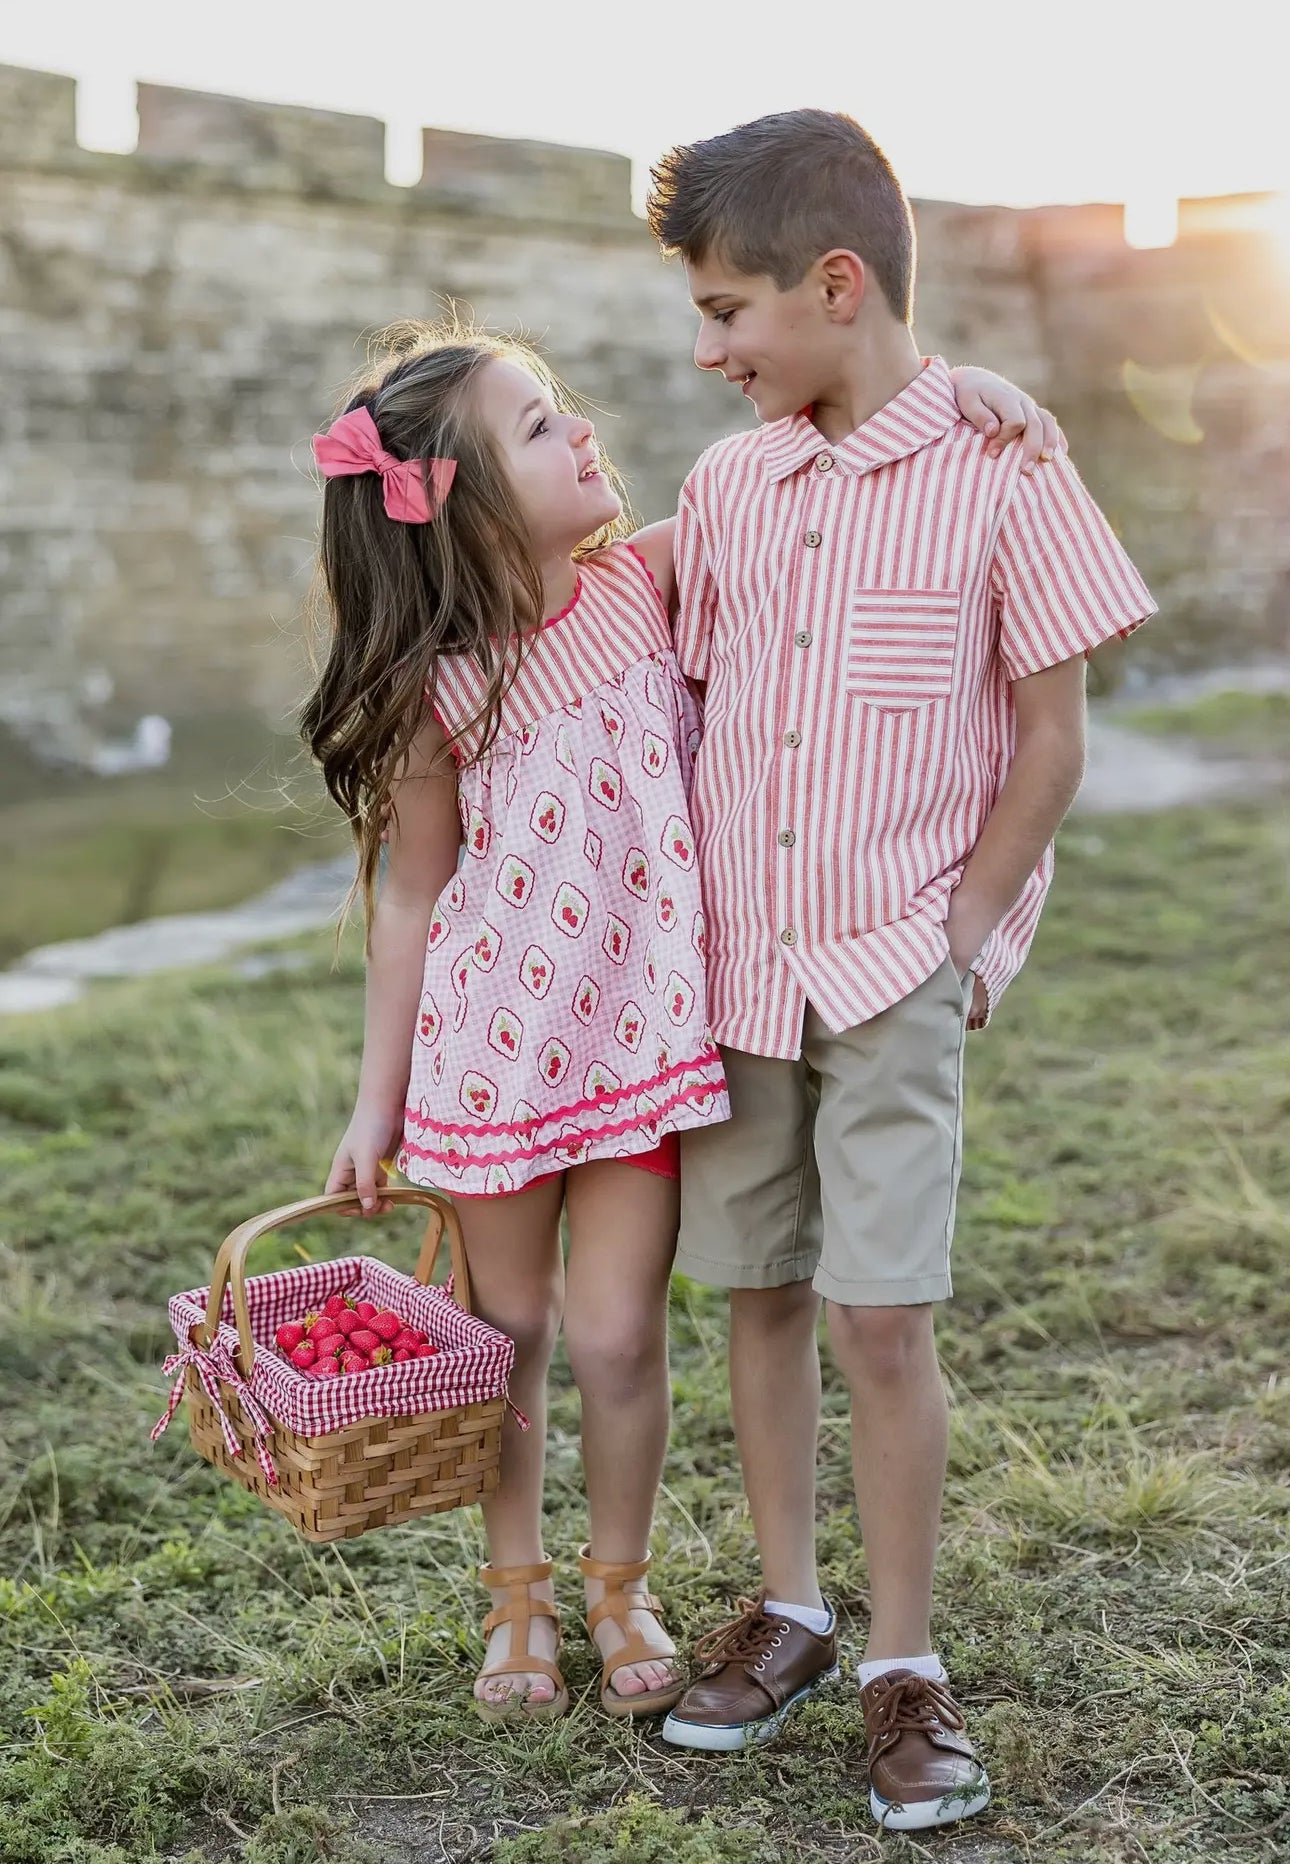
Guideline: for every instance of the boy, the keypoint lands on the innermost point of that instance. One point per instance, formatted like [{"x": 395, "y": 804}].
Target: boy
[{"x": 890, "y": 624}]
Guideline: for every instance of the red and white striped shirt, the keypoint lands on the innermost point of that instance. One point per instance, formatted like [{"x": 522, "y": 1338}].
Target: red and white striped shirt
[{"x": 858, "y": 613}]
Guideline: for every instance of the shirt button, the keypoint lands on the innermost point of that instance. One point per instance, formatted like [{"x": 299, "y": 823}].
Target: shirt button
[
  {"x": 792, "y": 739},
  {"x": 824, "y": 463},
  {"x": 804, "y": 637},
  {"x": 786, "y": 838},
  {"x": 788, "y": 936},
  {"x": 812, "y": 540}
]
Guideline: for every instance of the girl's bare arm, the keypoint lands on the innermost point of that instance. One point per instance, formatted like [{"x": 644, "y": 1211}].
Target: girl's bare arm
[{"x": 423, "y": 839}]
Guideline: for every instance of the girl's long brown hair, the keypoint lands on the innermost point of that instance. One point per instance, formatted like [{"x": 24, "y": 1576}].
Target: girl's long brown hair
[{"x": 393, "y": 597}]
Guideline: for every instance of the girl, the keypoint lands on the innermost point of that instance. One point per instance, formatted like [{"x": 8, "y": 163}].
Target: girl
[{"x": 500, "y": 702}]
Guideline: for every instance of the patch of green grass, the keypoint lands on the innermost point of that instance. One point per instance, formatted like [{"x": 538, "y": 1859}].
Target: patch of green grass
[
  {"x": 1257, "y": 723},
  {"x": 640, "y": 1832},
  {"x": 181, "y": 1678}
]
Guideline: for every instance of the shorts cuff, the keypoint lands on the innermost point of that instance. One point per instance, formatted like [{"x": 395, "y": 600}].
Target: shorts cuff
[
  {"x": 911, "y": 1293},
  {"x": 713, "y": 1274}
]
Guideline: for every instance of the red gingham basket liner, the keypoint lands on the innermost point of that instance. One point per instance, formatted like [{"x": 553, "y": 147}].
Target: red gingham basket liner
[{"x": 474, "y": 1361}]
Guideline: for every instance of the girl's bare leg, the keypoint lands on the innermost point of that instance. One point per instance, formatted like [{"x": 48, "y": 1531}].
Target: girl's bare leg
[
  {"x": 517, "y": 1278},
  {"x": 622, "y": 1237}
]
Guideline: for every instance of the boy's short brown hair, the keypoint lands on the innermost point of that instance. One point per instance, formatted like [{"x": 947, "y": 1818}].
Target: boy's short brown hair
[{"x": 771, "y": 196}]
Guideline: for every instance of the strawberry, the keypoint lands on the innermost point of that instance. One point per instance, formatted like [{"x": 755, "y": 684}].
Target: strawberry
[
  {"x": 365, "y": 1311},
  {"x": 382, "y": 1356},
  {"x": 348, "y": 1322},
  {"x": 336, "y": 1305},
  {"x": 303, "y": 1355},
  {"x": 324, "y": 1329},
  {"x": 310, "y": 1319},
  {"x": 424, "y": 1352},
  {"x": 325, "y": 1369},
  {"x": 407, "y": 1337},
  {"x": 363, "y": 1340},
  {"x": 387, "y": 1324},
  {"x": 289, "y": 1335},
  {"x": 352, "y": 1362},
  {"x": 402, "y": 1354},
  {"x": 419, "y": 1338}
]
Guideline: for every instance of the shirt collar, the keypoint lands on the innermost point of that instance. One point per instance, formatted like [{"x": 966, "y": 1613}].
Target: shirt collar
[{"x": 913, "y": 419}]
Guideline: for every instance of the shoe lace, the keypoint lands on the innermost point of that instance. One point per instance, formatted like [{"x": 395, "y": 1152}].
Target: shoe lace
[
  {"x": 915, "y": 1702},
  {"x": 747, "y": 1635}
]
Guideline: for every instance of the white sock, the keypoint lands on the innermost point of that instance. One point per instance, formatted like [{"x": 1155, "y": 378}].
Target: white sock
[
  {"x": 929, "y": 1667},
  {"x": 817, "y": 1621}
]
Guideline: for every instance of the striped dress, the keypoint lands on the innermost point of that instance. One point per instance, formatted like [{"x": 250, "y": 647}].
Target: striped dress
[{"x": 563, "y": 1010}]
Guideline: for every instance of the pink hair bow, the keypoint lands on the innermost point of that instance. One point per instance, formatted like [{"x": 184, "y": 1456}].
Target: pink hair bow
[{"x": 352, "y": 445}]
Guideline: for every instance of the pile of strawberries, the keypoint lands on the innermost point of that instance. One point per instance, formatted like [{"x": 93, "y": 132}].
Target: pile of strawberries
[{"x": 351, "y": 1336}]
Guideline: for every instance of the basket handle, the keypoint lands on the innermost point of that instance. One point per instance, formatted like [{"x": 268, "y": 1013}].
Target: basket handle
[{"x": 230, "y": 1263}]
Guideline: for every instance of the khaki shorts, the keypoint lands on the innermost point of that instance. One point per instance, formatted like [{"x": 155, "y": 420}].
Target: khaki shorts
[{"x": 841, "y": 1167}]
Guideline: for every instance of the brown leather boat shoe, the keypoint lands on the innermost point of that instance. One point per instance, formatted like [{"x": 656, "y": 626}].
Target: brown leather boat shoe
[
  {"x": 755, "y": 1669},
  {"x": 923, "y": 1770}
]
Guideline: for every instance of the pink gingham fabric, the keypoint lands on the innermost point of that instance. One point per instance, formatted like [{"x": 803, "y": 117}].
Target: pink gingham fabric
[
  {"x": 473, "y": 1362},
  {"x": 563, "y": 1015},
  {"x": 214, "y": 1368}
]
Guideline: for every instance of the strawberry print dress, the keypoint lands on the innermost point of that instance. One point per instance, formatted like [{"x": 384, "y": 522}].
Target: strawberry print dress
[{"x": 563, "y": 1013}]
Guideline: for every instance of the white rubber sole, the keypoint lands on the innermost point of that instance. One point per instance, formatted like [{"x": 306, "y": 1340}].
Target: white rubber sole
[
  {"x": 735, "y": 1735},
  {"x": 925, "y": 1814}
]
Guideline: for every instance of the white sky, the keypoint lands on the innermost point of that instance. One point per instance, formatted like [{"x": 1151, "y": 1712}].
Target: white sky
[{"x": 1016, "y": 101}]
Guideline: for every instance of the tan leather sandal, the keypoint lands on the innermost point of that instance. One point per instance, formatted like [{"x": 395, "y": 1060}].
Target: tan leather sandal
[
  {"x": 519, "y": 1610},
  {"x": 617, "y": 1605}
]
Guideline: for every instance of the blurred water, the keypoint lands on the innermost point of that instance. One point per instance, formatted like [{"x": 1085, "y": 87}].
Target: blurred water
[
  {"x": 1150, "y": 686},
  {"x": 1127, "y": 772},
  {"x": 56, "y": 974}
]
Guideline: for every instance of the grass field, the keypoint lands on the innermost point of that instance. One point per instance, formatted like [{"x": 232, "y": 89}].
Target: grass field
[
  {"x": 1253, "y": 723},
  {"x": 181, "y": 1678}
]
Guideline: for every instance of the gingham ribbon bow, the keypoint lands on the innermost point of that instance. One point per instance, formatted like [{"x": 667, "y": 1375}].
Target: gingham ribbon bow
[{"x": 211, "y": 1365}]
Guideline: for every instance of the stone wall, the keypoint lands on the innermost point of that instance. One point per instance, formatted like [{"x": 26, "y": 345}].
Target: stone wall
[
  {"x": 1170, "y": 371},
  {"x": 175, "y": 323}
]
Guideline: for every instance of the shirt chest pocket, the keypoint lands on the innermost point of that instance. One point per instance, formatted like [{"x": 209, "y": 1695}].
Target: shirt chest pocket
[{"x": 901, "y": 645}]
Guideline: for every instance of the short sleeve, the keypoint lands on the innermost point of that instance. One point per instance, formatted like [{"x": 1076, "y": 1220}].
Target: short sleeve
[
  {"x": 696, "y": 588},
  {"x": 1062, "y": 581}
]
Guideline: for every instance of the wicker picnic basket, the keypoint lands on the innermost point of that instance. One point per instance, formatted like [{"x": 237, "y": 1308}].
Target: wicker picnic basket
[{"x": 338, "y": 1457}]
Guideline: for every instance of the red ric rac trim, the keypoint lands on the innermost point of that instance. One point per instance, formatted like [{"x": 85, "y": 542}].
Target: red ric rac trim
[
  {"x": 598, "y": 1103},
  {"x": 519, "y": 1155},
  {"x": 444, "y": 727},
  {"x": 569, "y": 606}
]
